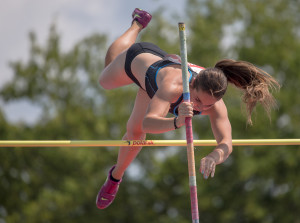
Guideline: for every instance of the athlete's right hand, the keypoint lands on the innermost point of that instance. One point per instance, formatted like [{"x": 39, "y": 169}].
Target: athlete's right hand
[{"x": 185, "y": 110}]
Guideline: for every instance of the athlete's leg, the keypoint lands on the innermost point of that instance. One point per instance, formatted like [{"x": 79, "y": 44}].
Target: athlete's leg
[
  {"x": 140, "y": 20},
  {"x": 134, "y": 132},
  {"x": 110, "y": 188},
  {"x": 123, "y": 42},
  {"x": 114, "y": 75}
]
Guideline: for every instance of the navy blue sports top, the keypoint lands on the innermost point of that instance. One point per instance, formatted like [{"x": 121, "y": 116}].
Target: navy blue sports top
[{"x": 151, "y": 85}]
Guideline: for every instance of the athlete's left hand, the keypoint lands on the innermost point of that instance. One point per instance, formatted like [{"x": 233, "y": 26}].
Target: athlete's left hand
[{"x": 208, "y": 166}]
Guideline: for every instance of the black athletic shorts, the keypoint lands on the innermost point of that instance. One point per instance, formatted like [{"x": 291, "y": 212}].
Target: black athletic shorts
[{"x": 136, "y": 49}]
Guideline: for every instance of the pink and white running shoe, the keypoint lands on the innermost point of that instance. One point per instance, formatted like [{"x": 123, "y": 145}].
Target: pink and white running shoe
[
  {"x": 107, "y": 192},
  {"x": 141, "y": 17}
]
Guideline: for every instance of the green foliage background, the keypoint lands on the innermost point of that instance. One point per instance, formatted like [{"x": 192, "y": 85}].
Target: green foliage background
[{"x": 256, "y": 184}]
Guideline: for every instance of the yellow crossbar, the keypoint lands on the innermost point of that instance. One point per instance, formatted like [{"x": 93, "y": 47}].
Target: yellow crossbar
[{"x": 112, "y": 143}]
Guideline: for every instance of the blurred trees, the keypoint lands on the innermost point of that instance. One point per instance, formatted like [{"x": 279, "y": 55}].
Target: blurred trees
[{"x": 256, "y": 184}]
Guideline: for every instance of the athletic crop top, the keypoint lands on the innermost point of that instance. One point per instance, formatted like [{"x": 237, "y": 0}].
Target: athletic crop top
[{"x": 151, "y": 85}]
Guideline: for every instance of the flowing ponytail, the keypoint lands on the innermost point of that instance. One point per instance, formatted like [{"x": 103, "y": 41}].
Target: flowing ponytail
[{"x": 254, "y": 82}]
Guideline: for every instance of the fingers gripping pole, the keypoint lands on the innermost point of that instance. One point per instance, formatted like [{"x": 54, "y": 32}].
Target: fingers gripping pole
[{"x": 188, "y": 124}]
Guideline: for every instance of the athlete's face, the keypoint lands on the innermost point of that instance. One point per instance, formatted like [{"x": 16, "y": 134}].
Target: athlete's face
[{"x": 201, "y": 100}]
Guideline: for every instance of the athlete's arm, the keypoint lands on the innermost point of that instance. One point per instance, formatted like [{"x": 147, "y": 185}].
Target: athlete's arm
[
  {"x": 155, "y": 120},
  {"x": 222, "y": 131}
]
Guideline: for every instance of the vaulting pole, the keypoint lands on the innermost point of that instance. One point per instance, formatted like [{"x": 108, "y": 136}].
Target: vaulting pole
[{"x": 188, "y": 126}]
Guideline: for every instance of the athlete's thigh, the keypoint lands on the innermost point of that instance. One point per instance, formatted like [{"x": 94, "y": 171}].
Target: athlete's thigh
[
  {"x": 134, "y": 124},
  {"x": 114, "y": 74}
]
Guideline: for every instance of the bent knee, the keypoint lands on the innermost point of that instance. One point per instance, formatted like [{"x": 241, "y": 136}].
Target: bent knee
[
  {"x": 104, "y": 83},
  {"x": 135, "y": 133},
  {"x": 106, "y": 79}
]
